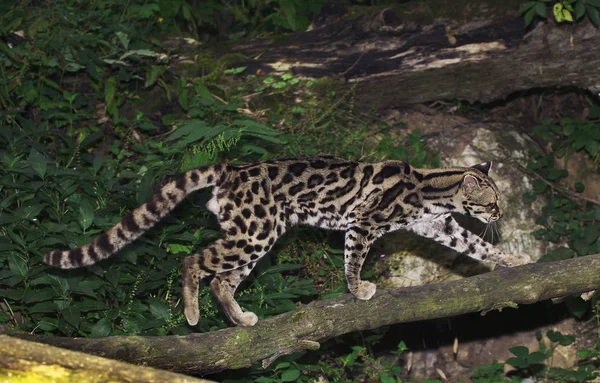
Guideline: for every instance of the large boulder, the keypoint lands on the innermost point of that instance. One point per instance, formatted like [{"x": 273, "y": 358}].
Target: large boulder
[{"x": 410, "y": 260}]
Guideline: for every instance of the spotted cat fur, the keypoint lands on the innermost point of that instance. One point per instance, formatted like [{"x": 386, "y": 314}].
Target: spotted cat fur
[{"x": 256, "y": 203}]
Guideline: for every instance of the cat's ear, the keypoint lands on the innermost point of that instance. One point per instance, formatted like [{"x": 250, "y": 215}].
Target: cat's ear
[
  {"x": 469, "y": 184},
  {"x": 484, "y": 167}
]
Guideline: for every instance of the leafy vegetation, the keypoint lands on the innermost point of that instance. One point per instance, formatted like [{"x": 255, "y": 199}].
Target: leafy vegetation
[
  {"x": 563, "y": 11},
  {"x": 93, "y": 116}
]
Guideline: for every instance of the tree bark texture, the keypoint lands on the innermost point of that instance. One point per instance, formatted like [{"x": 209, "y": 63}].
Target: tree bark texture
[
  {"x": 407, "y": 54},
  {"x": 34, "y": 362},
  {"x": 307, "y": 326}
]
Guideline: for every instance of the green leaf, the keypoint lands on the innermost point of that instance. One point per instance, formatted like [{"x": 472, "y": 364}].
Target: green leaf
[
  {"x": 557, "y": 10},
  {"x": 282, "y": 365},
  {"x": 48, "y": 324},
  {"x": 593, "y": 3},
  {"x": 183, "y": 93},
  {"x": 86, "y": 216},
  {"x": 43, "y": 307},
  {"x": 101, "y": 329},
  {"x": 539, "y": 186},
  {"x": 290, "y": 375},
  {"x": 540, "y": 9},
  {"x": 579, "y": 187},
  {"x": 155, "y": 72},
  {"x": 28, "y": 212},
  {"x": 593, "y": 14},
  {"x": 385, "y": 378},
  {"x": 579, "y": 9},
  {"x": 17, "y": 266},
  {"x": 527, "y": 6},
  {"x": 560, "y": 338},
  {"x": 558, "y": 255},
  {"x": 520, "y": 351},
  {"x": 123, "y": 39},
  {"x": 45, "y": 294},
  {"x": 97, "y": 163},
  {"x": 109, "y": 91},
  {"x": 159, "y": 309},
  {"x": 529, "y": 16},
  {"x": 517, "y": 362},
  {"x": 536, "y": 357},
  {"x": 72, "y": 316},
  {"x": 37, "y": 161},
  {"x": 591, "y": 147},
  {"x": 87, "y": 304}
]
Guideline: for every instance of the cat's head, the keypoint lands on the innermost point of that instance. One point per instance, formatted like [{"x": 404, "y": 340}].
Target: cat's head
[{"x": 480, "y": 195}]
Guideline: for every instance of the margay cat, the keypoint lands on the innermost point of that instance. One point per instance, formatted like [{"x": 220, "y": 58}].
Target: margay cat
[{"x": 256, "y": 203}]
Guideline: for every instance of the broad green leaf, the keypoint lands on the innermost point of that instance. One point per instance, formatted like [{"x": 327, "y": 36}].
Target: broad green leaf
[
  {"x": 102, "y": 328},
  {"x": 87, "y": 287},
  {"x": 155, "y": 72},
  {"x": 43, "y": 307},
  {"x": 290, "y": 375},
  {"x": 591, "y": 147},
  {"x": 527, "y": 6},
  {"x": 593, "y": 14},
  {"x": 48, "y": 324},
  {"x": 97, "y": 163},
  {"x": 558, "y": 254},
  {"x": 72, "y": 316},
  {"x": 45, "y": 294},
  {"x": 86, "y": 216},
  {"x": 159, "y": 309},
  {"x": 540, "y": 9},
  {"x": 529, "y": 16},
  {"x": 37, "y": 161},
  {"x": 520, "y": 351},
  {"x": 17, "y": 266},
  {"x": 28, "y": 212},
  {"x": 385, "y": 378},
  {"x": 87, "y": 304},
  {"x": 579, "y": 9},
  {"x": 536, "y": 357},
  {"x": 517, "y": 362},
  {"x": 282, "y": 365},
  {"x": 14, "y": 294}
]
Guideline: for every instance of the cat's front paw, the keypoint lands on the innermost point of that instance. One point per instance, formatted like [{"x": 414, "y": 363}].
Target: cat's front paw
[
  {"x": 246, "y": 319},
  {"x": 365, "y": 290},
  {"x": 512, "y": 260}
]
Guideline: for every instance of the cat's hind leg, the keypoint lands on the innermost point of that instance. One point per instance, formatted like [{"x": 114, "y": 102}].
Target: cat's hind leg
[{"x": 223, "y": 287}]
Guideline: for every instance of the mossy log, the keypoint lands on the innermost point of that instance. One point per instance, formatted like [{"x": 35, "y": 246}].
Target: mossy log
[
  {"x": 421, "y": 51},
  {"x": 25, "y": 361},
  {"x": 307, "y": 326}
]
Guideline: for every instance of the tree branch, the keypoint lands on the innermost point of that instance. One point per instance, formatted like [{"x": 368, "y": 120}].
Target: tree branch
[
  {"x": 33, "y": 362},
  {"x": 305, "y": 327},
  {"x": 406, "y": 55}
]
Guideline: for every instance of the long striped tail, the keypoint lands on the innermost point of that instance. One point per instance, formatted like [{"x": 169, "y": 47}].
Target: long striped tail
[{"x": 137, "y": 222}]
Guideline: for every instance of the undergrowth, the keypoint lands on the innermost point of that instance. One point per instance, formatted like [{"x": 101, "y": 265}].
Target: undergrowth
[{"x": 94, "y": 117}]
